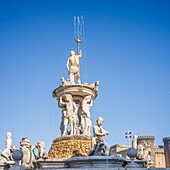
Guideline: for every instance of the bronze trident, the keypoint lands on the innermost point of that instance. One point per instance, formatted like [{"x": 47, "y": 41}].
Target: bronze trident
[{"x": 77, "y": 36}]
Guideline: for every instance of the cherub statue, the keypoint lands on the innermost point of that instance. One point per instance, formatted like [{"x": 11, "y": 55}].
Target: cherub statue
[
  {"x": 99, "y": 146},
  {"x": 85, "y": 115},
  {"x": 68, "y": 111},
  {"x": 74, "y": 68},
  {"x": 41, "y": 148},
  {"x": 99, "y": 132}
]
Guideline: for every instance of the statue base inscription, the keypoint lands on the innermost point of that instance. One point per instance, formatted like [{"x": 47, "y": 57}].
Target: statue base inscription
[{"x": 70, "y": 146}]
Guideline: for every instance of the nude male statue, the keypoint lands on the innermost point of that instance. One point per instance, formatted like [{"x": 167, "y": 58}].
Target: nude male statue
[
  {"x": 6, "y": 152},
  {"x": 69, "y": 108},
  {"x": 85, "y": 116},
  {"x": 74, "y": 69}
]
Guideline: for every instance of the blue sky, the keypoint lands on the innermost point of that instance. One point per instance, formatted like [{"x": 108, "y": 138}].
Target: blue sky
[{"x": 126, "y": 47}]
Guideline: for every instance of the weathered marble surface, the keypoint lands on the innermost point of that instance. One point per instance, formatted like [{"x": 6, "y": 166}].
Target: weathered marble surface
[
  {"x": 87, "y": 163},
  {"x": 82, "y": 162},
  {"x": 42, "y": 154},
  {"x": 64, "y": 146},
  {"x": 69, "y": 111},
  {"x": 96, "y": 162},
  {"x": 28, "y": 153},
  {"x": 146, "y": 149},
  {"x": 76, "y": 89},
  {"x": 85, "y": 115}
]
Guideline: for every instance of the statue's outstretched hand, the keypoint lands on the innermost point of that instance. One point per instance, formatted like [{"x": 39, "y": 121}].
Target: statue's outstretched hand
[
  {"x": 106, "y": 133},
  {"x": 80, "y": 53}
]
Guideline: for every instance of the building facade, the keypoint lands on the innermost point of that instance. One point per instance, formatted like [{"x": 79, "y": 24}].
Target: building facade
[{"x": 167, "y": 151}]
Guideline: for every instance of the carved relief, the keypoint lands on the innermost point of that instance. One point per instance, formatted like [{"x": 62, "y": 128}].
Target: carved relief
[{"x": 66, "y": 147}]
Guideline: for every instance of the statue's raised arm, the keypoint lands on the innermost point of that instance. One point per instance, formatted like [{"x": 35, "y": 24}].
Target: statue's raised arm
[{"x": 80, "y": 53}]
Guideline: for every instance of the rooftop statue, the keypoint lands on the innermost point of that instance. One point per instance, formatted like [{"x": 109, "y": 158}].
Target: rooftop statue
[
  {"x": 7, "y": 152},
  {"x": 74, "y": 68}
]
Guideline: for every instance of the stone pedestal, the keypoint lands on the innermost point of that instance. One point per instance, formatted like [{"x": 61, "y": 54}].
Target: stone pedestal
[
  {"x": 65, "y": 146},
  {"x": 89, "y": 162},
  {"x": 76, "y": 90}
]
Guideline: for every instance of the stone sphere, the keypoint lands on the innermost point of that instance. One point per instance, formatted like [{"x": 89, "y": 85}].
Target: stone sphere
[
  {"x": 17, "y": 155},
  {"x": 132, "y": 152}
]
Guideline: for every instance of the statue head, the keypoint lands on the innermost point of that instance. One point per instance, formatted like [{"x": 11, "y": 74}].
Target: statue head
[
  {"x": 13, "y": 148},
  {"x": 88, "y": 98},
  {"x": 135, "y": 137},
  {"x": 72, "y": 53},
  {"x": 97, "y": 83},
  {"x": 100, "y": 120},
  {"x": 68, "y": 97},
  {"x": 8, "y": 134},
  {"x": 24, "y": 143},
  {"x": 40, "y": 144}
]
